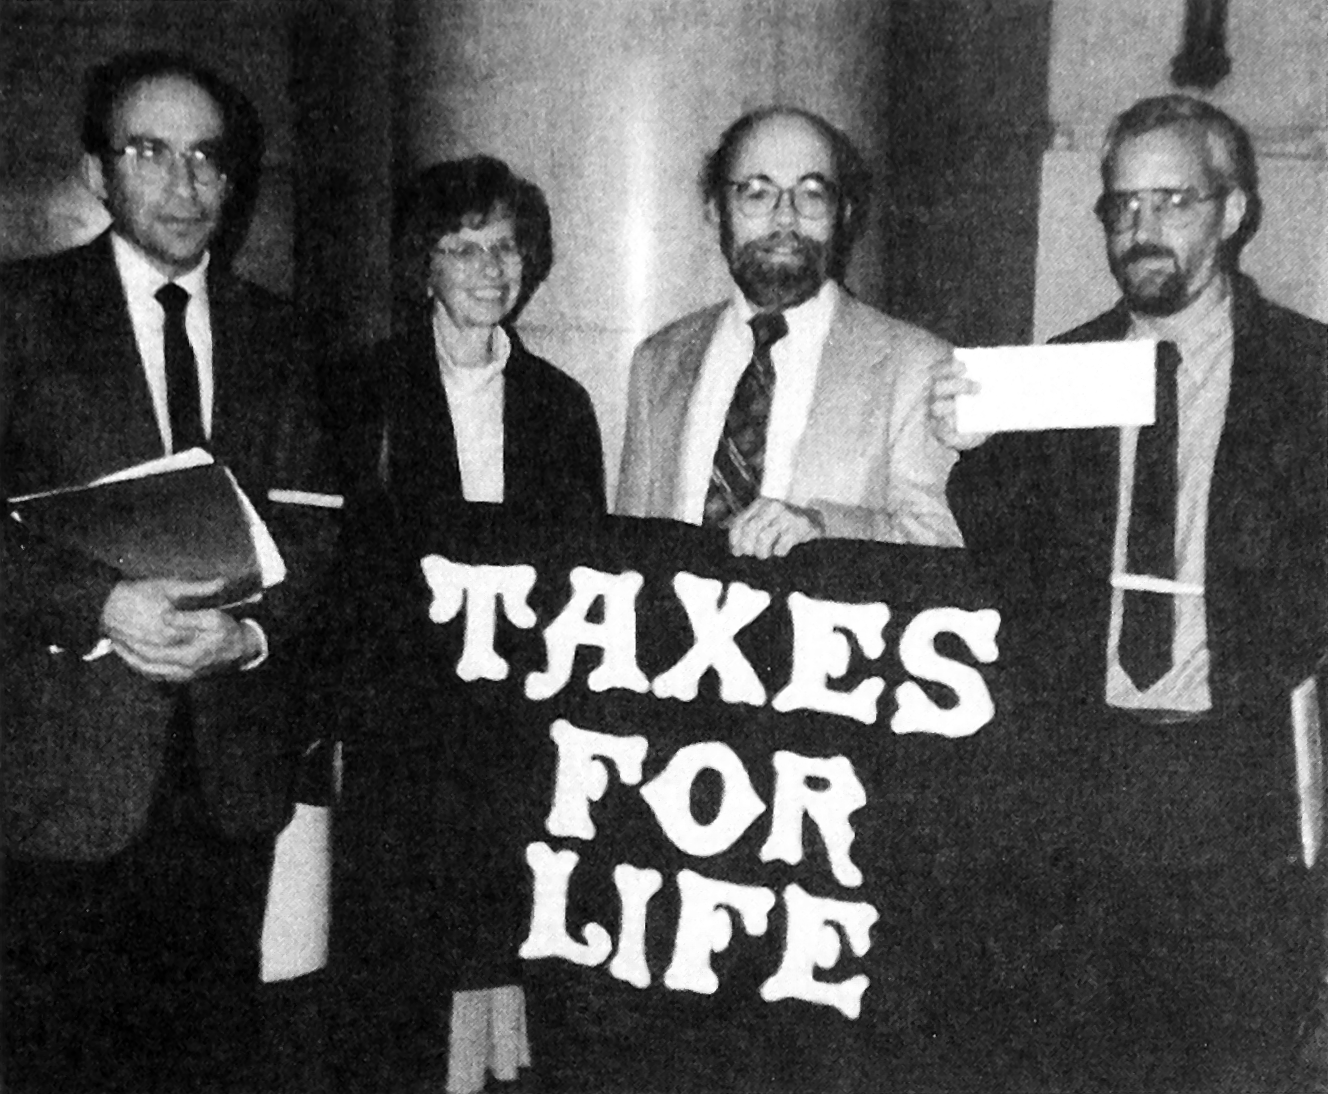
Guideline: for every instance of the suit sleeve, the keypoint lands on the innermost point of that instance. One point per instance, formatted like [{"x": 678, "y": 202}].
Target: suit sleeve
[
  {"x": 52, "y": 596},
  {"x": 911, "y": 505}
]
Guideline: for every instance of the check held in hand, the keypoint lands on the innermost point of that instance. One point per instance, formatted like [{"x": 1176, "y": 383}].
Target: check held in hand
[{"x": 1003, "y": 389}]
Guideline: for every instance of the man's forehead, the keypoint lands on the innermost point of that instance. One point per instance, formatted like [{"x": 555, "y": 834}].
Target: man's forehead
[
  {"x": 170, "y": 107},
  {"x": 1173, "y": 156},
  {"x": 785, "y": 148}
]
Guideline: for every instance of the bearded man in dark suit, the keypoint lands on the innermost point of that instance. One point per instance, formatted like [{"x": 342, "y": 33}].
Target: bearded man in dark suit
[
  {"x": 1163, "y": 685},
  {"x": 146, "y": 764}
]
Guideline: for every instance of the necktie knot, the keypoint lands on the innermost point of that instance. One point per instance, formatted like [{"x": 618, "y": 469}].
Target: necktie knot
[
  {"x": 768, "y": 327},
  {"x": 173, "y": 298},
  {"x": 1168, "y": 363}
]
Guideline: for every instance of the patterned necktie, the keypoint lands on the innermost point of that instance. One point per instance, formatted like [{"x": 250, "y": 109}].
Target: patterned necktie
[
  {"x": 1148, "y": 618},
  {"x": 182, "y": 399},
  {"x": 735, "y": 479}
]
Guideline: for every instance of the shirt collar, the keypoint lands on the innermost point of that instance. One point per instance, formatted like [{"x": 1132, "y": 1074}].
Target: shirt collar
[
  {"x": 502, "y": 350},
  {"x": 142, "y": 279},
  {"x": 810, "y": 319},
  {"x": 1194, "y": 324}
]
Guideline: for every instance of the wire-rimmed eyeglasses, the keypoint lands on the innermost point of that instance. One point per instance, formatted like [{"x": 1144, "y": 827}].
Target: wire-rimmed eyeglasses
[
  {"x": 473, "y": 254},
  {"x": 154, "y": 161},
  {"x": 813, "y": 197},
  {"x": 1119, "y": 210}
]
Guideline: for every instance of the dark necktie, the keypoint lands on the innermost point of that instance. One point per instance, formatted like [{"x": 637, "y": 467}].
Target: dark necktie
[
  {"x": 182, "y": 398},
  {"x": 735, "y": 479},
  {"x": 1148, "y": 618}
]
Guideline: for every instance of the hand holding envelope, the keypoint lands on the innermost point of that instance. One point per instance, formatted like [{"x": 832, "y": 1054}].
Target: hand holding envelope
[{"x": 1087, "y": 385}]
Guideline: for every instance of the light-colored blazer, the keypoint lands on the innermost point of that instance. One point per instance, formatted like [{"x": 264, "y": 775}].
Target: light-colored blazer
[{"x": 868, "y": 461}]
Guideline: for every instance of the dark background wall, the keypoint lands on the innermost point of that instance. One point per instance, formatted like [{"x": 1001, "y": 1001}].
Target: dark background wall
[{"x": 966, "y": 89}]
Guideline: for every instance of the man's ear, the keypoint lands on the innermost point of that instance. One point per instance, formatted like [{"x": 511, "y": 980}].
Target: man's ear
[
  {"x": 711, "y": 211},
  {"x": 94, "y": 174},
  {"x": 1233, "y": 213},
  {"x": 847, "y": 217}
]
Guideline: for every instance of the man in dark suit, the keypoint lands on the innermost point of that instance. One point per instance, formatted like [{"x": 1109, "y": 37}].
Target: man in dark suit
[
  {"x": 147, "y": 763},
  {"x": 792, "y": 411},
  {"x": 1164, "y": 589}
]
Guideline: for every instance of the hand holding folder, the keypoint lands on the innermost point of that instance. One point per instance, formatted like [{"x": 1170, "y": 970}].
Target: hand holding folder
[{"x": 180, "y": 517}]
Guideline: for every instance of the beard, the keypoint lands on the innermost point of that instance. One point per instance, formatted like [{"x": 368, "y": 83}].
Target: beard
[
  {"x": 779, "y": 282},
  {"x": 1150, "y": 291}
]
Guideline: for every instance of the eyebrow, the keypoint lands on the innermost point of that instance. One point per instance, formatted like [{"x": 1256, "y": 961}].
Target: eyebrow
[
  {"x": 207, "y": 144},
  {"x": 811, "y": 176}
]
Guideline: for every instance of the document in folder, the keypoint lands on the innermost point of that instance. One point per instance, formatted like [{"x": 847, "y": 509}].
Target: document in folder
[
  {"x": 183, "y": 517},
  {"x": 1307, "y": 710}
]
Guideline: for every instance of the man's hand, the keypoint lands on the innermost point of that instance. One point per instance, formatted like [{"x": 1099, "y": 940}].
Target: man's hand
[
  {"x": 948, "y": 382},
  {"x": 164, "y": 642},
  {"x": 768, "y": 527}
]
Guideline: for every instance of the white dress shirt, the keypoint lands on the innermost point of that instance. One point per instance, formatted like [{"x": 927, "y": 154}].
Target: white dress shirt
[
  {"x": 141, "y": 280},
  {"x": 475, "y": 400},
  {"x": 796, "y": 358}
]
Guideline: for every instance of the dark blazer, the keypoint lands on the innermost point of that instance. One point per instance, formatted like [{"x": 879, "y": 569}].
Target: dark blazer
[
  {"x": 1038, "y": 512},
  {"x": 83, "y": 741},
  {"x": 553, "y": 461},
  {"x": 408, "y": 768}
]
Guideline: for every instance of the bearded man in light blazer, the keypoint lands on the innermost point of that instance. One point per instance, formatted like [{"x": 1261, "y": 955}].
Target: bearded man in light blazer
[{"x": 847, "y": 451}]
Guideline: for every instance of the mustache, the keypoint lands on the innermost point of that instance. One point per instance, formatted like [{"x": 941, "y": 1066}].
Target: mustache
[
  {"x": 1146, "y": 250},
  {"x": 781, "y": 238}
]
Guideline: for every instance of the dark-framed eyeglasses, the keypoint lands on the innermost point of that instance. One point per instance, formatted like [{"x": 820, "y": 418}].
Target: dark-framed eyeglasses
[
  {"x": 813, "y": 197},
  {"x": 472, "y": 254},
  {"x": 1119, "y": 210},
  {"x": 154, "y": 160}
]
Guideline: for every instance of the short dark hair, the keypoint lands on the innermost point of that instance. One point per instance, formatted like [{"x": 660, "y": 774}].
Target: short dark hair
[
  {"x": 1230, "y": 151},
  {"x": 851, "y": 175},
  {"x": 108, "y": 84},
  {"x": 449, "y": 196}
]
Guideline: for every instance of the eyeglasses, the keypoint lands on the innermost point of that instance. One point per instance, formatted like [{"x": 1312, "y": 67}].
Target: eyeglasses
[
  {"x": 473, "y": 255},
  {"x": 1118, "y": 209},
  {"x": 813, "y": 197},
  {"x": 154, "y": 160}
]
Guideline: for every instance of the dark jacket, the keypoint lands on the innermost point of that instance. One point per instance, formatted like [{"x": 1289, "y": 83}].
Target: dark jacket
[
  {"x": 553, "y": 462},
  {"x": 1038, "y": 512},
  {"x": 84, "y": 741}
]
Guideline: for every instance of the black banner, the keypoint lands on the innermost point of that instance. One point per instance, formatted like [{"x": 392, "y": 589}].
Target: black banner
[{"x": 734, "y": 824}]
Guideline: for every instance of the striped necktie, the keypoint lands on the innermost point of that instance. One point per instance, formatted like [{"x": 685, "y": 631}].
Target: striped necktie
[{"x": 735, "y": 479}]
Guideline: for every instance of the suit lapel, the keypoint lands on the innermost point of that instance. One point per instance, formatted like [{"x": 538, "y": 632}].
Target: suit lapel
[
  {"x": 523, "y": 433},
  {"x": 236, "y": 410},
  {"x": 121, "y": 418},
  {"x": 837, "y": 400},
  {"x": 424, "y": 453},
  {"x": 678, "y": 373},
  {"x": 1240, "y": 509}
]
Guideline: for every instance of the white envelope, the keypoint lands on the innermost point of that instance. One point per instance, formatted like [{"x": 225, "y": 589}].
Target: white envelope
[{"x": 1081, "y": 386}]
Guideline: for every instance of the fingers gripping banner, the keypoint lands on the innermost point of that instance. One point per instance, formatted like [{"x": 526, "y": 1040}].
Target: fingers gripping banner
[{"x": 697, "y": 804}]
